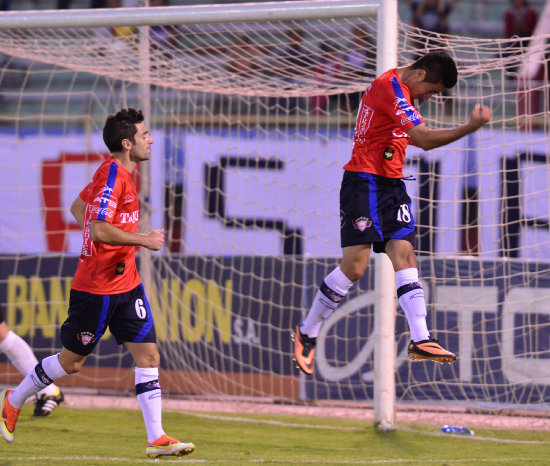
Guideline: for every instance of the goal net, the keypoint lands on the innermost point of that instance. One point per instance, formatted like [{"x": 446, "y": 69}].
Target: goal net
[{"x": 252, "y": 122}]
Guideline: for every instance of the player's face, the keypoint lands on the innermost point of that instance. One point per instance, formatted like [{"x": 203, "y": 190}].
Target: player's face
[
  {"x": 141, "y": 148},
  {"x": 424, "y": 90}
]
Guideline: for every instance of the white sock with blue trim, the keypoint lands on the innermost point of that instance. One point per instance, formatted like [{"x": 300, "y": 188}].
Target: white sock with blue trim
[
  {"x": 150, "y": 400},
  {"x": 43, "y": 374},
  {"x": 412, "y": 301},
  {"x": 332, "y": 291}
]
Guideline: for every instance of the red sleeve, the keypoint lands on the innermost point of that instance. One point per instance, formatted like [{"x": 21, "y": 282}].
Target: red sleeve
[
  {"x": 106, "y": 189},
  {"x": 396, "y": 104},
  {"x": 85, "y": 193}
]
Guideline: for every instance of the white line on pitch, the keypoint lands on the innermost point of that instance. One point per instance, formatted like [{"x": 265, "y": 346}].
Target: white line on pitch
[{"x": 270, "y": 422}]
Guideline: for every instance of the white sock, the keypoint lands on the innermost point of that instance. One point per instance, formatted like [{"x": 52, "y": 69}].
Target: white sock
[
  {"x": 149, "y": 397},
  {"x": 43, "y": 374},
  {"x": 411, "y": 299},
  {"x": 332, "y": 291}
]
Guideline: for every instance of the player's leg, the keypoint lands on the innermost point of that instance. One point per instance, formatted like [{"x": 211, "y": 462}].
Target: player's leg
[
  {"x": 149, "y": 396},
  {"x": 357, "y": 232},
  {"x": 42, "y": 375},
  {"x": 133, "y": 326},
  {"x": 412, "y": 301},
  {"x": 330, "y": 294},
  {"x": 22, "y": 357},
  {"x": 87, "y": 318}
]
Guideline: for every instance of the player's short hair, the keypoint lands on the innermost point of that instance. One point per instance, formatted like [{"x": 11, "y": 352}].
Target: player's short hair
[
  {"x": 120, "y": 126},
  {"x": 439, "y": 67}
]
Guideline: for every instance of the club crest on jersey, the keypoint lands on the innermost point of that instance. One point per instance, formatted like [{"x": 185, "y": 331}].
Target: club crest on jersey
[
  {"x": 362, "y": 223},
  {"x": 388, "y": 153},
  {"x": 86, "y": 338}
]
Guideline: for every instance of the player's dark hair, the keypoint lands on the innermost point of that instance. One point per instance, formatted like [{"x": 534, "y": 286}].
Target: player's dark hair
[
  {"x": 120, "y": 126},
  {"x": 439, "y": 67}
]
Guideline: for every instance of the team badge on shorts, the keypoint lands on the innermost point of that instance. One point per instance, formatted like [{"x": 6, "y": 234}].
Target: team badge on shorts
[
  {"x": 362, "y": 223},
  {"x": 86, "y": 338}
]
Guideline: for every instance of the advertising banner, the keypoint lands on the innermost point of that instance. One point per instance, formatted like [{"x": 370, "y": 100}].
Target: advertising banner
[{"x": 235, "y": 315}]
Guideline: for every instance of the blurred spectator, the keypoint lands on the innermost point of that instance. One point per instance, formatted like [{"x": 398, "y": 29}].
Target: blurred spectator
[
  {"x": 327, "y": 68},
  {"x": 296, "y": 59},
  {"x": 241, "y": 63},
  {"x": 293, "y": 62},
  {"x": 121, "y": 32},
  {"x": 241, "y": 57},
  {"x": 519, "y": 21},
  {"x": 66, "y": 4},
  {"x": 361, "y": 57},
  {"x": 360, "y": 62},
  {"x": 432, "y": 16}
]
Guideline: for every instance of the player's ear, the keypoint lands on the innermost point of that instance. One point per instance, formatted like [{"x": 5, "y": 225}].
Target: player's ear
[
  {"x": 126, "y": 144},
  {"x": 420, "y": 75}
]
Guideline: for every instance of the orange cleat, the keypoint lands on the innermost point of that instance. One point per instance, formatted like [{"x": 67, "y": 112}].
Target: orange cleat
[
  {"x": 9, "y": 417},
  {"x": 430, "y": 349},
  {"x": 304, "y": 350},
  {"x": 168, "y": 446}
]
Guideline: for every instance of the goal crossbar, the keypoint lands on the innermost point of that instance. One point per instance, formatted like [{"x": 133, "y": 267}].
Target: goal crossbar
[{"x": 196, "y": 14}]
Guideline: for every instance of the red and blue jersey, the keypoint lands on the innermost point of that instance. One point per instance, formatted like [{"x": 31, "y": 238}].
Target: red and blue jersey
[
  {"x": 110, "y": 197},
  {"x": 385, "y": 114}
]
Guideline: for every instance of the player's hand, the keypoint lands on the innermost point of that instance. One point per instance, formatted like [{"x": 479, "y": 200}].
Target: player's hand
[
  {"x": 154, "y": 239},
  {"x": 480, "y": 116}
]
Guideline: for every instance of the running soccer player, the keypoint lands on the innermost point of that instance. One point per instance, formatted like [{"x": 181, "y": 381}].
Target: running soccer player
[
  {"x": 106, "y": 289},
  {"x": 22, "y": 357},
  {"x": 375, "y": 208}
]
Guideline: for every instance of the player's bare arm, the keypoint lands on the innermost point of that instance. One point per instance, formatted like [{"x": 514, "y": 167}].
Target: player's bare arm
[
  {"x": 104, "y": 232},
  {"x": 427, "y": 139},
  {"x": 78, "y": 207}
]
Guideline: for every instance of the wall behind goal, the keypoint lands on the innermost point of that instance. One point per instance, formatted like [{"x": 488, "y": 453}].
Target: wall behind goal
[{"x": 248, "y": 193}]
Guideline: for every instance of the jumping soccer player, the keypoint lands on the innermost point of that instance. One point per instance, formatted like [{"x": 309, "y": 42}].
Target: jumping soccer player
[
  {"x": 106, "y": 289},
  {"x": 375, "y": 208}
]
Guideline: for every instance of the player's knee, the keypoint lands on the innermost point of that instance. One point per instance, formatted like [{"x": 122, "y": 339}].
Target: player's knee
[
  {"x": 149, "y": 359},
  {"x": 72, "y": 368},
  {"x": 71, "y": 363},
  {"x": 354, "y": 271}
]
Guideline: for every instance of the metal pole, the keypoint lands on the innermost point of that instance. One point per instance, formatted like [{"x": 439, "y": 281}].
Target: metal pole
[
  {"x": 385, "y": 306},
  {"x": 196, "y": 14},
  {"x": 146, "y": 266}
]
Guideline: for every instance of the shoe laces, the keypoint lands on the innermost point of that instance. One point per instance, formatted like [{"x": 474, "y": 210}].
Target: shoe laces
[
  {"x": 162, "y": 440},
  {"x": 308, "y": 344}
]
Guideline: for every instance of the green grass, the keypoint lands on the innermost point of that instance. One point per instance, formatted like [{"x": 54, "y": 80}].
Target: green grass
[{"x": 100, "y": 436}]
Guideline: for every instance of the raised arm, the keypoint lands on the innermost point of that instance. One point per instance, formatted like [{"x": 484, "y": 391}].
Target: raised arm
[{"x": 427, "y": 139}]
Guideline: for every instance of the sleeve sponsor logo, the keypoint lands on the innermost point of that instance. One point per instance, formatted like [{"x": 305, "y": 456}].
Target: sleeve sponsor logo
[{"x": 129, "y": 217}]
